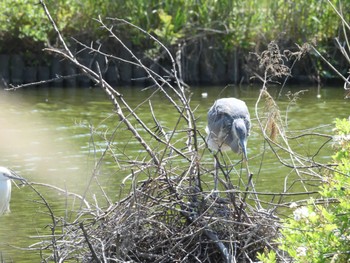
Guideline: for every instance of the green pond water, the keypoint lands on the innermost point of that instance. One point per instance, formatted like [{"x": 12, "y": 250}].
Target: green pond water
[{"x": 56, "y": 136}]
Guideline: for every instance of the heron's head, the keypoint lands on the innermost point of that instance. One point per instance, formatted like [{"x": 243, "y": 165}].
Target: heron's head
[
  {"x": 241, "y": 133},
  {"x": 5, "y": 174}
]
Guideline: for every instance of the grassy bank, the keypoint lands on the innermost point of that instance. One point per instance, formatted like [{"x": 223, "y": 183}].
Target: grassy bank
[
  {"x": 219, "y": 26},
  {"x": 234, "y": 23}
]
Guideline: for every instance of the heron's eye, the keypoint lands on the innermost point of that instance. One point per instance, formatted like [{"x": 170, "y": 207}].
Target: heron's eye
[{"x": 240, "y": 130}]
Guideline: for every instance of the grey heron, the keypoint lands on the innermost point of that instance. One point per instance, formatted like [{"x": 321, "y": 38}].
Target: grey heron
[
  {"x": 228, "y": 127},
  {"x": 5, "y": 188}
]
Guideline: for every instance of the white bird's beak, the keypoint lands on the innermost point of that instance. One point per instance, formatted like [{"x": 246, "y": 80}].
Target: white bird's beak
[{"x": 15, "y": 176}]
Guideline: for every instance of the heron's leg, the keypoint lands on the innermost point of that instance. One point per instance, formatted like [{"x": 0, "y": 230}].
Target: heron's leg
[
  {"x": 251, "y": 184},
  {"x": 216, "y": 176}
]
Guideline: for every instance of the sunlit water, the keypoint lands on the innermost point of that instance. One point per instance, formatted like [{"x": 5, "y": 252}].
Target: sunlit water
[{"x": 57, "y": 136}]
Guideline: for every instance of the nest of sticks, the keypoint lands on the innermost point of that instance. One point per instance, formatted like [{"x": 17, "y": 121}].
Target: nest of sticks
[{"x": 168, "y": 220}]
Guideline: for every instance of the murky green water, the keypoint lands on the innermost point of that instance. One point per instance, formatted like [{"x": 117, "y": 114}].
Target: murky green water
[{"x": 46, "y": 136}]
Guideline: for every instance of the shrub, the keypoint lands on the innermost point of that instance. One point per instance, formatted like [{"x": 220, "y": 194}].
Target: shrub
[{"x": 320, "y": 232}]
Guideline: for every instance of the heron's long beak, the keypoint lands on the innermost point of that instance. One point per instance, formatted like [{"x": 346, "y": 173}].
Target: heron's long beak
[
  {"x": 16, "y": 176},
  {"x": 243, "y": 144}
]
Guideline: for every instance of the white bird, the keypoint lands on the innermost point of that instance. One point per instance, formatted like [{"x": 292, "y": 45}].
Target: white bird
[{"x": 5, "y": 188}]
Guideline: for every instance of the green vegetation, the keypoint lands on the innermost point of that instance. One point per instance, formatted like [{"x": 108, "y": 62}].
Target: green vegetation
[
  {"x": 321, "y": 232},
  {"x": 234, "y": 23},
  {"x": 219, "y": 28}
]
